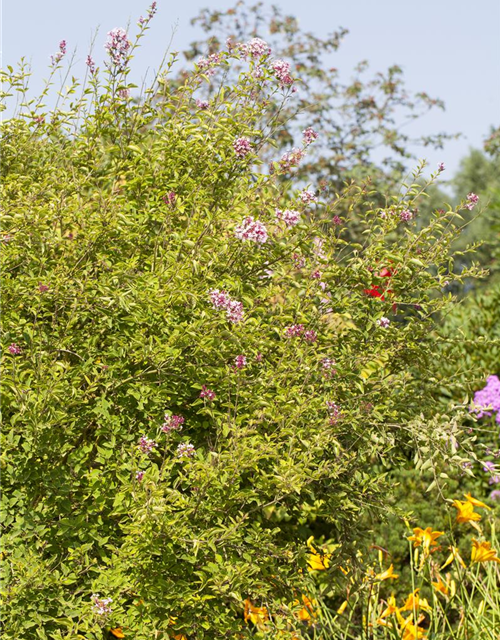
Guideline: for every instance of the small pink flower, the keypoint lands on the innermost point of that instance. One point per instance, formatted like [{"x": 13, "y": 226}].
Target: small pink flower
[
  {"x": 118, "y": 47},
  {"x": 291, "y": 159},
  {"x": 15, "y": 349},
  {"x": 288, "y": 216},
  {"x": 252, "y": 230},
  {"x": 336, "y": 220},
  {"x": 202, "y": 104},
  {"x": 294, "y": 330},
  {"x": 334, "y": 411},
  {"x": 185, "y": 450},
  {"x": 42, "y": 288},
  {"x": 90, "y": 64},
  {"x": 207, "y": 393},
  {"x": 124, "y": 93},
  {"x": 172, "y": 423},
  {"x": 441, "y": 167},
  {"x": 406, "y": 215},
  {"x": 101, "y": 606},
  {"x": 139, "y": 476},
  {"x": 258, "y": 357},
  {"x": 383, "y": 322},
  {"x": 310, "y": 336},
  {"x": 309, "y": 135},
  {"x": 307, "y": 196},
  {"x": 146, "y": 445},
  {"x": 328, "y": 366},
  {"x": 240, "y": 362},
  {"x": 170, "y": 198},
  {"x": 222, "y": 300},
  {"x": 60, "y": 54},
  {"x": 472, "y": 200},
  {"x": 242, "y": 147},
  {"x": 299, "y": 261}
]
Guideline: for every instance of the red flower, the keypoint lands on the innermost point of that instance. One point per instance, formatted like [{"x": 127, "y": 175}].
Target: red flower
[{"x": 374, "y": 292}]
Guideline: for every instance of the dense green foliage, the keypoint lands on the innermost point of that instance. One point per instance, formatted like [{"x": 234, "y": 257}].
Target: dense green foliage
[{"x": 121, "y": 219}]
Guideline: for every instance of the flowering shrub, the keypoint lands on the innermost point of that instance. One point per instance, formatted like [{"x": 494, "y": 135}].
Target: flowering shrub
[{"x": 194, "y": 422}]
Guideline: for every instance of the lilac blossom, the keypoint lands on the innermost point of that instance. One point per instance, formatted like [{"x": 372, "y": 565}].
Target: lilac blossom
[
  {"x": 441, "y": 167},
  {"x": 495, "y": 495},
  {"x": 170, "y": 198},
  {"x": 309, "y": 135},
  {"x": 139, "y": 476},
  {"x": 291, "y": 159},
  {"x": 146, "y": 445},
  {"x": 310, "y": 336},
  {"x": 15, "y": 349},
  {"x": 383, "y": 322},
  {"x": 240, "y": 362},
  {"x": 202, "y": 104},
  {"x": 90, "y": 64},
  {"x": 333, "y": 410},
  {"x": 185, "y": 450},
  {"x": 308, "y": 196},
  {"x": 252, "y": 230},
  {"x": 288, "y": 216},
  {"x": 282, "y": 72},
  {"x": 242, "y": 147},
  {"x": 406, "y": 215},
  {"x": 294, "y": 330},
  {"x": 101, "y": 606},
  {"x": 472, "y": 200},
  {"x": 57, "y": 57},
  {"x": 207, "y": 393},
  {"x": 222, "y": 300},
  {"x": 118, "y": 47},
  {"x": 172, "y": 423},
  {"x": 256, "y": 48}
]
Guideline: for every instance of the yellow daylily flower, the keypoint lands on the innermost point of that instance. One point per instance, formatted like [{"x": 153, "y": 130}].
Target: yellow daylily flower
[
  {"x": 317, "y": 561},
  {"x": 257, "y": 615},
  {"x": 307, "y": 612},
  {"x": 410, "y": 631},
  {"x": 388, "y": 574},
  {"x": 475, "y": 502},
  {"x": 342, "y": 608},
  {"x": 454, "y": 555},
  {"x": 482, "y": 552},
  {"x": 425, "y": 537},
  {"x": 446, "y": 588},
  {"x": 415, "y": 602},
  {"x": 466, "y": 511},
  {"x": 390, "y": 610}
]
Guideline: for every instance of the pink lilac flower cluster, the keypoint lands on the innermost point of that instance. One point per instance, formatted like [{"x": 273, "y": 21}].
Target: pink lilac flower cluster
[
  {"x": 406, "y": 215},
  {"x": 291, "y": 159},
  {"x": 222, "y": 300},
  {"x": 294, "y": 330},
  {"x": 441, "y": 167},
  {"x": 495, "y": 495},
  {"x": 124, "y": 93},
  {"x": 185, "y": 450},
  {"x": 282, "y": 72},
  {"x": 307, "y": 196},
  {"x": 91, "y": 64},
  {"x": 170, "y": 198},
  {"x": 139, "y": 476},
  {"x": 240, "y": 362},
  {"x": 172, "y": 423},
  {"x": 333, "y": 410},
  {"x": 152, "y": 10},
  {"x": 310, "y": 336},
  {"x": 202, "y": 104},
  {"x": 336, "y": 220},
  {"x": 316, "y": 275},
  {"x": 288, "y": 216},
  {"x": 309, "y": 136},
  {"x": 487, "y": 400},
  {"x": 14, "y": 349},
  {"x": 383, "y": 322},
  {"x": 207, "y": 393},
  {"x": 101, "y": 606},
  {"x": 472, "y": 200},
  {"x": 252, "y": 230},
  {"x": 207, "y": 65},
  {"x": 118, "y": 47},
  {"x": 328, "y": 366},
  {"x": 256, "y": 48},
  {"x": 242, "y": 147},
  {"x": 299, "y": 261},
  {"x": 146, "y": 445},
  {"x": 42, "y": 288},
  {"x": 56, "y": 58}
]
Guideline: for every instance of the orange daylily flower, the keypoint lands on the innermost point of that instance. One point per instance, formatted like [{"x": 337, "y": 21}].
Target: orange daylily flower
[
  {"x": 454, "y": 555},
  {"x": 466, "y": 511},
  {"x": 257, "y": 615},
  {"x": 317, "y": 561},
  {"x": 441, "y": 587},
  {"x": 180, "y": 636},
  {"x": 118, "y": 632},
  {"x": 415, "y": 602},
  {"x": 425, "y": 537},
  {"x": 410, "y": 631},
  {"x": 482, "y": 552},
  {"x": 388, "y": 574}
]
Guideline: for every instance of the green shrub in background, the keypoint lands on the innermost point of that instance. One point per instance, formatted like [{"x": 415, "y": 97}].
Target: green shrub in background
[{"x": 199, "y": 371}]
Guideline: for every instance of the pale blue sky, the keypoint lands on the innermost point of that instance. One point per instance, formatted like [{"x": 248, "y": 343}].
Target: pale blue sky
[{"x": 448, "y": 48}]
